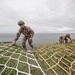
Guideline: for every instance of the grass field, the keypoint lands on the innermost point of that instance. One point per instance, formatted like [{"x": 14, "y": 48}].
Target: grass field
[
  {"x": 51, "y": 59},
  {"x": 14, "y": 61}
]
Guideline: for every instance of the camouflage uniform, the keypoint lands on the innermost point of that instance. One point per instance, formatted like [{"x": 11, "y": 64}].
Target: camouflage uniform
[
  {"x": 28, "y": 33},
  {"x": 64, "y": 39}
]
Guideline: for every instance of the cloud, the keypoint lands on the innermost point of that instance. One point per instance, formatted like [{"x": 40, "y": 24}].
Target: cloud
[{"x": 43, "y": 16}]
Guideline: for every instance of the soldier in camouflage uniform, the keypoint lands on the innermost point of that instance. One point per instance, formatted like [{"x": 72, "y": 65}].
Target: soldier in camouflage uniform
[
  {"x": 64, "y": 39},
  {"x": 28, "y": 35}
]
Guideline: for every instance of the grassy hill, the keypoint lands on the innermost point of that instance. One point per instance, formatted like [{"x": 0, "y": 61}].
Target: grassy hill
[
  {"x": 57, "y": 59},
  {"x": 50, "y": 59}
]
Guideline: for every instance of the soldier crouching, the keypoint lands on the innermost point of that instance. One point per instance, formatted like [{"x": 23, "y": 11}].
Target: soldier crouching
[
  {"x": 28, "y": 35},
  {"x": 64, "y": 39}
]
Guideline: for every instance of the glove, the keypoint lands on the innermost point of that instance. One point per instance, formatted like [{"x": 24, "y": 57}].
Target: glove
[{"x": 13, "y": 43}]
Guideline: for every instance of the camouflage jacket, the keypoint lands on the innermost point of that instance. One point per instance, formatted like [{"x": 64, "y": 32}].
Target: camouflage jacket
[
  {"x": 64, "y": 37},
  {"x": 27, "y": 31}
]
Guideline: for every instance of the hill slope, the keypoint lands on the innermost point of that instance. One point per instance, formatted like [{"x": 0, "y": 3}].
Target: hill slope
[
  {"x": 57, "y": 59},
  {"x": 51, "y": 59}
]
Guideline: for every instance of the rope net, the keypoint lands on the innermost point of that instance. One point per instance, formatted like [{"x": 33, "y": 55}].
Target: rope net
[
  {"x": 57, "y": 59},
  {"x": 14, "y": 61}
]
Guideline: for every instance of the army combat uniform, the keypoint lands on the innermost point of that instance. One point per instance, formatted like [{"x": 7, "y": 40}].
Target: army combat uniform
[
  {"x": 28, "y": 33},
  {"x": 64, "y": 39}
]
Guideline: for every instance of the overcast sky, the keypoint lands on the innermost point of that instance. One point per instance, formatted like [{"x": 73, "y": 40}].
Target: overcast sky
[{"x": 43, "y": 16}]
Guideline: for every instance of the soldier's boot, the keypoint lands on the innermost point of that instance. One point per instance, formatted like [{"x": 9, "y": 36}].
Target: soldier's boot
[
  {"x": 31, "y": 45},
  {"x": 24, "y": 48}
]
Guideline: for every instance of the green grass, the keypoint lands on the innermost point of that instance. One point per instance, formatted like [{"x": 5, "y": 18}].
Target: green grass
[
  {"x": 17, "y": 51},
  {"x": 12, "y": 63},
  {"x": 3, "y": 60},
  {"x": 65, "y": 66},
  {"x": 52, "y": 58},
  {"x": 29, "y": 55},
  {"x": 1, "y": 68},
  {"x": 15, "y": 56},
  {"x": 23, "y": 67},
  {"x": 62, "y": 53},
  {"x": 32, "y": 62},
  {"x": 23, "y": 58},
  {"x": 1, "y": 51},
  {"x": 9, "y": 72},
  {"x": 35, "y": 71},
  {"x": 51, "y": 62},
  {"x": 60, "y": 71},
  {"x": 12, "y": 50},
  {"x": 21, "y": 74},
  {"x": 23, "y": 53},
  {"x": 73, "y": 66},
  {"x": 8, "y": 54},
  {"x": 55, "y": 58}
]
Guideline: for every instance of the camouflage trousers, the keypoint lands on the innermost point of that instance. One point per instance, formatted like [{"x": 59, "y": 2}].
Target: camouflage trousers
[{"x": 29, "y": 42}]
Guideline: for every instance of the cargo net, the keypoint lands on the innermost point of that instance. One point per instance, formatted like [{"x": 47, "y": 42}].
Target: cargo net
[
  {"x": 14, "y": 61},
  {"x": 57, "y": 59}
]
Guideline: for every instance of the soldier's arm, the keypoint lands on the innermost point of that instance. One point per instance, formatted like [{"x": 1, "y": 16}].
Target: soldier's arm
[
  {"x": 70, "y": 39},
  {"x": 32, "y": 33},
  {"x": 18, "y": 35}
]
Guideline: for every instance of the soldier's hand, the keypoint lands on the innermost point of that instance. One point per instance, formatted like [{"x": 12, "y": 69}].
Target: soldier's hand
[
  {"x": 70, "y": 41},
  {"x": 13, "y": 43}
]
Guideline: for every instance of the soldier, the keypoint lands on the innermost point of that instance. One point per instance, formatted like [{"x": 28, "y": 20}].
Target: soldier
[
  {"x": 64, "y": 39},
  {"x": 28, "y": 35}
]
